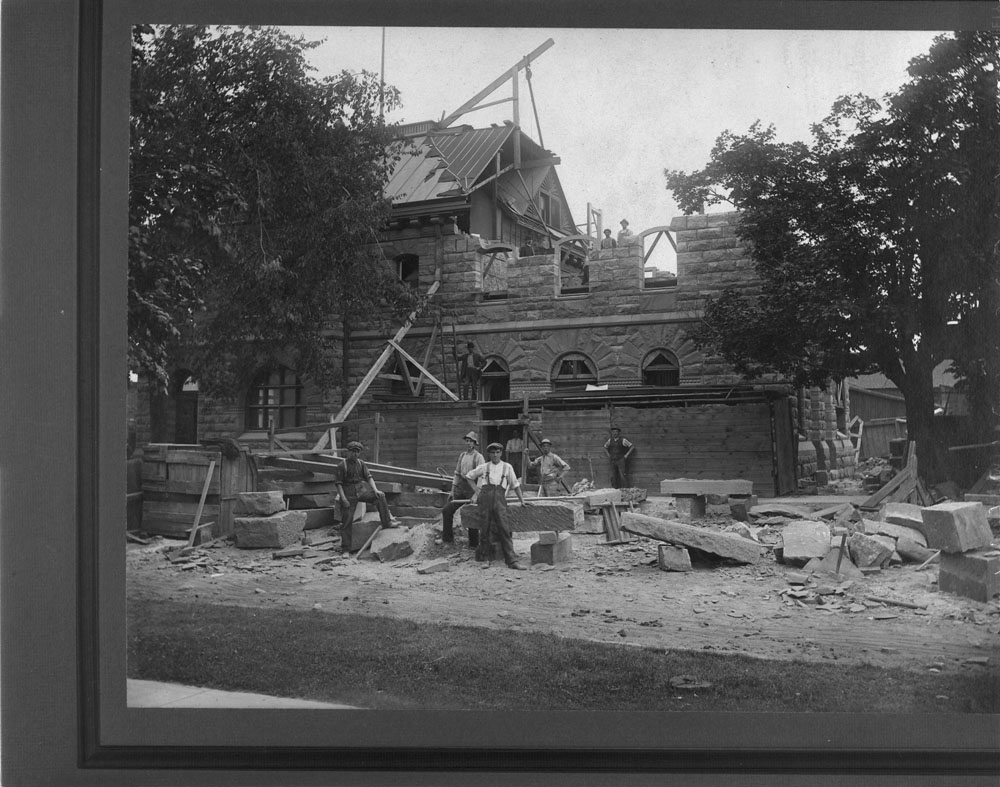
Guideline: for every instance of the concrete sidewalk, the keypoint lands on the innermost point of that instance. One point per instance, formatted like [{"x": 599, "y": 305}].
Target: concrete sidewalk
[{"x": 153, "y": 694}]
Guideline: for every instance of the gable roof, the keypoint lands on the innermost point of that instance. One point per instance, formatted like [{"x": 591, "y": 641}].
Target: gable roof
[{"x": 445, "y": 163}]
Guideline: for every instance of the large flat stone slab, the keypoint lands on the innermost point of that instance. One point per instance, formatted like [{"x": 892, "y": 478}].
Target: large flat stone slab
[
  {"x": 895, "y": 531},
  {"x": 678, "y": 534},
  {"x": 705, "y": 486},
  {"x": 905, "y": 514},
  {"x": 392, "y": 544},
  {"x": 538, "y": 515}
]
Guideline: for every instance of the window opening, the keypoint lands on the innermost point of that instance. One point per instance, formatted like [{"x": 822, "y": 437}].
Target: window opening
[{"x": 278, "y": 395}]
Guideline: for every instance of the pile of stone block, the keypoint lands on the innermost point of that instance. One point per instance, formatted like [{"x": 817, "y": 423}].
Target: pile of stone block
[
  {"x": 691, "y": 495},
  {"x": 970, "y": 562},
  {"x": 263, "y": 522}
]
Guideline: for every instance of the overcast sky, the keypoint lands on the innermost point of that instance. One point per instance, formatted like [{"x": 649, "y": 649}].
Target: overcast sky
[{"x": 620, "y": 106}]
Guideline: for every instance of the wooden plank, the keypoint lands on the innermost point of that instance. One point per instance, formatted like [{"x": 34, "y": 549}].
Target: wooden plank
[
  {"x": 890, "y": 487},
  {"x": 184, "y": 510},
  {"x": 201, "y": 503},
  {"x": 181, "y": 486}
]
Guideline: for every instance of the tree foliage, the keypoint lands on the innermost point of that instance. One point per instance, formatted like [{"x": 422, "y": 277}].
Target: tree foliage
[
  {"x": 877, "y": 244},
  {"x": 255, "y": 195}
]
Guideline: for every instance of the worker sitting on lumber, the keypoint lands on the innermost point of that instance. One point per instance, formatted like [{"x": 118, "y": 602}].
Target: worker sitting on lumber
[
  {"x": 356, "y": 485},
  {"x": 493, "y": 479},
  {"x": 462, "y": 490},
  {"x": 551, "y": 469}
]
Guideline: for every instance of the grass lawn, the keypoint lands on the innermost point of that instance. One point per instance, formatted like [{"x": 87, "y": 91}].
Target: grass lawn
[{"x": 375, "y": 662}]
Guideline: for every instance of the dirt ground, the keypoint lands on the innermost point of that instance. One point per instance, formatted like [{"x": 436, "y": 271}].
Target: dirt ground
[{"x": 606, "y": 593}]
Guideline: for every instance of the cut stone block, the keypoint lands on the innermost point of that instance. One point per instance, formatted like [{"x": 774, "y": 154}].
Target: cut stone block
[
  {"x": 867, "y": 551},
  {"x": 671, "y": 558},
  {"x": 320, "y": 517},
  {"x": 434, "y": 566},
  {"x": 392, "y": 544},
  {"x": 986, "y": 500},
  {"x": 905, "y": 514},
  {"x": 720, "y": 544},
  {"x": 553, "y": 553},
  {"x": 269, "y": 532},
  {"x": 898, "y": 532},
  {"x": 689, "y": 506},
  {"x": 704, "y": 486},
  {"x": 740, "y": 505},
  {"x": 534, "y": 517},
  {"x": 361, "y": 531},
  {"x": 253, "y": 504},
  {"x": 803, "y": 540},
  {"x": 956, "y": 527},
  {"x": 548, "y": 537},
  {"x": 311, "y": 501},
  {"x": 971, "y": 574}
]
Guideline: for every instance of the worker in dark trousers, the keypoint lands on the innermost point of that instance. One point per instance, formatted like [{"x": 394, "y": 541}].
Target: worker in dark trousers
[
  {"x": 470, "y": 367},
  {"x": 493, "y": 479},
  {"x": 356, "y": 485},
  {"x": 462, "y": 489},
  {"x": 618, "y": 449}
]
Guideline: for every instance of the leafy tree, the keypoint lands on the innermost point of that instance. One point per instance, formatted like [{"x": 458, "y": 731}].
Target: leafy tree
[
  {"x": 255, "y": 197},
  {"x": 877, "y": 244}
]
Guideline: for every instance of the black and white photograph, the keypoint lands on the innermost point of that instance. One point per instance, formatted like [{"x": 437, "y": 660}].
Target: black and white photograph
[{"x": 532, "y": 399}]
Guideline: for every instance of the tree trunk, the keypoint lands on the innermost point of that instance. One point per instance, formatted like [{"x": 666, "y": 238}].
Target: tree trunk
[
  {"x": 345, "y": 361},
  {"x": 921, "y": 427}
]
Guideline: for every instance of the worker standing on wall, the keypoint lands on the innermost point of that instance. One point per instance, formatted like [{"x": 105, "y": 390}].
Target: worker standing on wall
[
  {"x": 618, "y": 449},
  {"x": 493, "y": 479},
  {"x": 470, "y": 366},
  {"x": 356, "y": 485},
  {"x": 462, "y": 490},
  {"x": 551, "y": 469}
]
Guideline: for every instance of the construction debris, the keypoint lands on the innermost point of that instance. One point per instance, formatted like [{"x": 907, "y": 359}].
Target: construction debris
[
  {"x": 277, "y": 531},
  {"x": 801, "y": 541}
]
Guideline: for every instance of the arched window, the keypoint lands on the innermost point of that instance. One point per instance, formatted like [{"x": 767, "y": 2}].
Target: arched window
[
  {"x": 661, "y": 369},
  {"x": 495, "y": 380},
  {"x": 275, "y": 394},
  {"x": 408, "y": 270},
  {"x": 573, "y": 371}
]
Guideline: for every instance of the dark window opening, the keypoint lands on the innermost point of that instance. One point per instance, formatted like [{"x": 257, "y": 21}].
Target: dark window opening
[
  {"x": 408, "y": 270},
  {"x": 661, "y": 369},
  {"x": 573, "y": 371},
  {"x": 495, "y": 380}
]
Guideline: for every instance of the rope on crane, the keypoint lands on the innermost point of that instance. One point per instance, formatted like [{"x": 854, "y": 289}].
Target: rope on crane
[{"x": 534, "y": 108}]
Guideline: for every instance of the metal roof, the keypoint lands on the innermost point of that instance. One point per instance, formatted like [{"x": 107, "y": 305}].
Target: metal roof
[{"x": 445, "y": 163}]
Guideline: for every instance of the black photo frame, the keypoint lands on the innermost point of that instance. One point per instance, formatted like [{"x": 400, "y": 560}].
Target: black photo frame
[{"x": 62, "y": 323}]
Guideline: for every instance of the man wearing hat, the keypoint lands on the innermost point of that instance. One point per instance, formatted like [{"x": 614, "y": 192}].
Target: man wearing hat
[
  {"x": 355, "y": 484},
  {"x": 493, "y": 479},
  {"x": 607, "y": 242},
  {"x": 551, "y": 469},
  {"x": 618, "y": 449},
  {"x": 462, "y": 490},
  {"x": 625, "y": 234},
  {"x": 470, "y": 366}
]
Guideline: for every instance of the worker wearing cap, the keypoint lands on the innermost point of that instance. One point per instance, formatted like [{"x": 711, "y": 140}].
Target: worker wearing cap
[
  {"x": 551, "y": 469},
  {"x": 462, "y": 490},
  {"x": 493, "y": 479},
  {"x": 355, "y": 484},
  {"x": 470, "y": 366},
  {"x": 618, "y": 449},
  {"x": 625, "y": 235}
]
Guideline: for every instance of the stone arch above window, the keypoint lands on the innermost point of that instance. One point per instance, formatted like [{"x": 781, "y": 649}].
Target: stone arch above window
[
  {"x": 276, "y": 393},
  {"x": 661, "y": 369},
  {"x": 573, "y": 371},
  {"x": 495, "y": 379}
]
